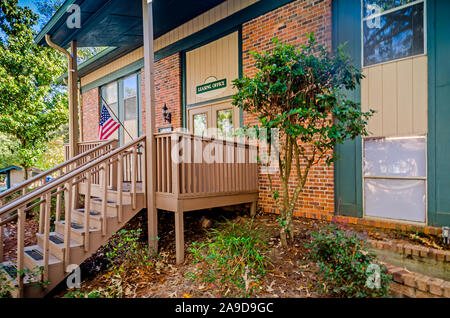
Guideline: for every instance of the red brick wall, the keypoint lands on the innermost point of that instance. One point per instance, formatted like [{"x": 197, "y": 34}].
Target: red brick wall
[
  {"x": 90, "y": 113},
  {"x": 168, "y": 91},
  {"x": 290, "y": 24}
]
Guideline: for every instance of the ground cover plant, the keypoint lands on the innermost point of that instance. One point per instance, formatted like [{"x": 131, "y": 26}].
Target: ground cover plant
[
  {"x": 233, "y": 258},
  {"x": 346, "y": 267}
]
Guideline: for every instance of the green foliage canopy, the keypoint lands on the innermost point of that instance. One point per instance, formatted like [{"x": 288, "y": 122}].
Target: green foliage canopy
[{"x": 32, "y": 107}]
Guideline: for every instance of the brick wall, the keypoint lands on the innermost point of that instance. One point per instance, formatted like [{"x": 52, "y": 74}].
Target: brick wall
[
  {"x": 168, "y": 91},
  {"x": 90, "y": 113},
  {"x": 290, "y": 24}
]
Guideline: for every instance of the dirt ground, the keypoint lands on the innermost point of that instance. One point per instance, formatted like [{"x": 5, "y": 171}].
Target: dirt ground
[
  {"x": 290, "y": 275},
  {"x": 10, "y": 238}
]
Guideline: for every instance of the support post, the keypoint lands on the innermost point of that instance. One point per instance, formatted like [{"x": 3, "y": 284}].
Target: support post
[
  {"x": 72, "y": 88},
  {"x": 179, "y": 235},
  {"x": 253, "y": 209},
  {"x": 73, "y": 100},
  {"x": 150, "y": 102}
]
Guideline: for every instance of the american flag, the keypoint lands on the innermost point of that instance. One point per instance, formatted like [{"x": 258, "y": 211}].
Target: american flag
[{"x": 107, "y": 125}]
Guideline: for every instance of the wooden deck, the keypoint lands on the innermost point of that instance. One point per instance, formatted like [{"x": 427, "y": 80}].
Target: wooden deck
[{"x": 195, "y": 173}]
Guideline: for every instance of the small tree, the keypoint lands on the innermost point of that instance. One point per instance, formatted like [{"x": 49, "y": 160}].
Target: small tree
[
  {"x": 32, "y": 108},
  {"x": 300, "y": 93}
]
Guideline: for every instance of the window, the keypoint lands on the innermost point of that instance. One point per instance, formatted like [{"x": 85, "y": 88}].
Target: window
[
  {"x": 122, "y": 98},
  {"x": 392, "y": 29},
  {"x": 395, "y": 171},
  {"x": 109, "y": 94},
  {"x": 200, "y": 124},
  {"x": 225, "y": 123},
  {"x": 130, "y": 105}
]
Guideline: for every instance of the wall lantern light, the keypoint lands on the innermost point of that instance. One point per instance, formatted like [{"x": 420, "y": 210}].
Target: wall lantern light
[{"x": 166, "y": 114}]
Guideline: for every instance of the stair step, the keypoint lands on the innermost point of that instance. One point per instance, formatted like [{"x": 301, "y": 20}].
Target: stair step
[
  {"x": 92, "y": 213},
  {"x": 55, "y": 239},
  {"x": 57, "y": 244},
  {"x": 10, "y": 269},
  {"x": 110, "y": 202},
  {"x": 35, "y": 254},
  {"x": 34, "y": 257},
  {"x": 77, "y": 233},
  {"x": 111, "y": 206},
  {"x": 95, "y": 218}
]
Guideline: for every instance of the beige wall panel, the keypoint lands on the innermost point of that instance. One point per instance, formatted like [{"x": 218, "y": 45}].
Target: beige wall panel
[
  {"x": 219, "y": 60},
  {"x": 398, "y": 92},
  {"x": 365, "y": 92},
  {"x": 204, "y": 20},
  {"x": 405, "y": 95},
  {"x": 389, "y": 111},
  {"x": 376, "y": 100},
  {"x": 420, "y": 95},
  {"x": 113, "y": 66}
]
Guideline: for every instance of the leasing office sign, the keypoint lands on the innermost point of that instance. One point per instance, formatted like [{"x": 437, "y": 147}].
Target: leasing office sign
[{"x": 211, "y": 86}]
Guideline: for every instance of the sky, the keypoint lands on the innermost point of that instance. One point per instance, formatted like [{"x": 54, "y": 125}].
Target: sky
[{"x": 28, "y": 3}]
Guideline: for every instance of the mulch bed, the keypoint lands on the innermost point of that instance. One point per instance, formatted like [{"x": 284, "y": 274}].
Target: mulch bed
[
  {"x": 291, "y": 275},
  {"x": 10, "y": 237}
]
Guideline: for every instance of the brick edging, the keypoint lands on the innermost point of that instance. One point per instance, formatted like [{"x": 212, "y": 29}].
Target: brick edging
[
  {"x": 410, "y": 249},
  {"x": 392, "y": 225},
  {"x": 416, "y": 285}
]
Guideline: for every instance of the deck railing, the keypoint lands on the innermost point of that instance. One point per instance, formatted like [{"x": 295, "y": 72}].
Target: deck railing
[
  {"x": 93, "y": 151},
  {"x": 42, "y": 197},
  {"x": 190, "y": 165}
]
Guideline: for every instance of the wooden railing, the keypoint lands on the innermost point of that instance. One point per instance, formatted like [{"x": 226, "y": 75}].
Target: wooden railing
[
  {"x": 92, "y": 152},
  {"x": 86, "y": 146},
  {"x": 16, "y": 210},
  {"x": 190, "y": 165}
]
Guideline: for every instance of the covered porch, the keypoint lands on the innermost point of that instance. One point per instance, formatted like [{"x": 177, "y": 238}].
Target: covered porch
[{"x": 211, "y": 172}]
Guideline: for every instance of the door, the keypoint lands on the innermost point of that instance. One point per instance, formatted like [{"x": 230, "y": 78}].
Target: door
[{"x": 217, "y": 120}]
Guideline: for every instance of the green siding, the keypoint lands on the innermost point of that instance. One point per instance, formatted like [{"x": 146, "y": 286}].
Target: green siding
[
  {"x": 348, "y": 171},
  {"x": 439, "y": 113}
]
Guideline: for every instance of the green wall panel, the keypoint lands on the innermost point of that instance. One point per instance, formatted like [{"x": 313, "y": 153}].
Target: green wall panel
[
  {"x": 439, "y": 113},
  {"x": 348, "y": 172}
]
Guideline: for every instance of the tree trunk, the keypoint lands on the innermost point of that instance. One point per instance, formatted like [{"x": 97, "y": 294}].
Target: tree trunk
[{"x": 25, "y": 173}]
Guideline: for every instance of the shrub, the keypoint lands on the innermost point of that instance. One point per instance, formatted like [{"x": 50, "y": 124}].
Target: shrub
[
  {"x": 5, "y": 288},
  {"x": 124, "y": 250},
  {"x": 233, "y": 258},
  {"x": 347, "y": 269},
  {"x": 79, "y": 294}
]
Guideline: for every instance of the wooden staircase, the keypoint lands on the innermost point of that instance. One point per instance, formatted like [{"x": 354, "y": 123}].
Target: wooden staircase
[
  {"x": 96, "y": 193},
  {"x": 100, "y": 186}
]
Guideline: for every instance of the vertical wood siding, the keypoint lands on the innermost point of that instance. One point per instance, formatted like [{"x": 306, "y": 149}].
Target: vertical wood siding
[
  {"x": 398, "y": 92},
  {"x": 219, "y": 59}
]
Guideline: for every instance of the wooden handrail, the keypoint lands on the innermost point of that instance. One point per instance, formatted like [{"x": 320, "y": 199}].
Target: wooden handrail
[
  {"x": 68, "y": 183},
  {"x": 12, "y": 206},
  {"x": 39, "y": 177},
  {"x": 206, "y": 138}
]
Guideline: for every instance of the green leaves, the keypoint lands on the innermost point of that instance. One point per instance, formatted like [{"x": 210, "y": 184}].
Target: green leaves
[
  {"x": 32, "y": 108},
  {"x": 344, "y": 263},
  {"x": 299, "y": 91},
  {"x": 234, "y": 258}
]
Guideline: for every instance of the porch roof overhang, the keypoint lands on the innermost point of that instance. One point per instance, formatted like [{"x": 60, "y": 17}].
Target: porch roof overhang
[{"x": 117, "y": 24}]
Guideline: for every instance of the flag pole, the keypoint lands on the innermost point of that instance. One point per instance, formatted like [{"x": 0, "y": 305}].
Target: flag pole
[{"x": 118, "y": 120}]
